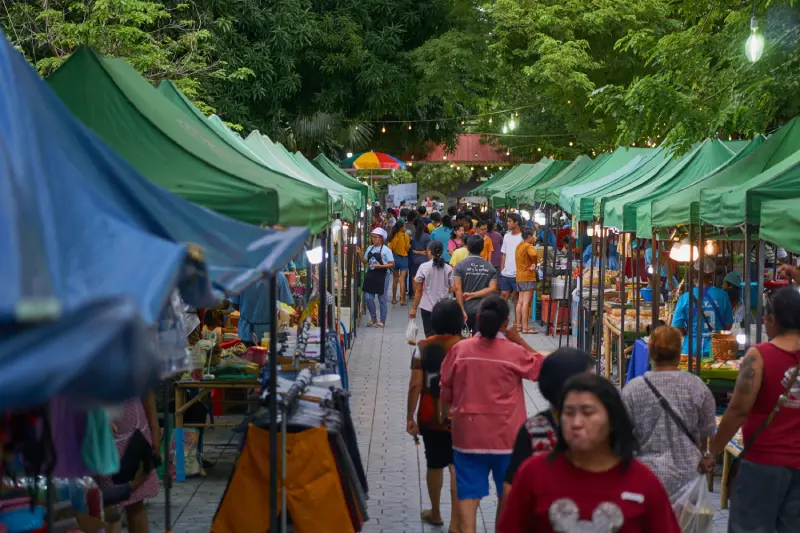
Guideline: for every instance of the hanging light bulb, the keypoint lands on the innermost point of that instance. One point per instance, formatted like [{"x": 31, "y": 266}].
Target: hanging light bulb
[
  {"x": 571, "y": 143},
  {"x": 569, "y": 101},
  {"x": 383, "y": 129},
  {"x": 508, "y": 152},
  {"x": 437, "y": 125},
  {"x": 710, "y": 248},
  {"x": 538, "y": 149},
  {"x": 458, "y": 168},
  {"x": 411, "y": 163},
  {"x": 505, "y": 129},
  {"x": 472, "y": 168},
  {"x": 754, "y": 47},
  {"x": 485, "y": 168},
  {"x": 409, "y": 127},
  {"x": 512, "y": 124},
  {"x": 462, "y": 122},
  {"x": 501, "y": 168},
  {"x": 444, "y": 158},
  {"x": 349, "y": 155}
]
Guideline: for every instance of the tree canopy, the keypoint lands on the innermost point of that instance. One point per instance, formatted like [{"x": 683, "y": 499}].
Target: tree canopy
[{"x": 337, "y": 76}]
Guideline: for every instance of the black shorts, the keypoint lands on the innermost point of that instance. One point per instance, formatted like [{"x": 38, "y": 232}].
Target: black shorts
[
  {"x": 438, "y": 448},
  {"x": 427, "y": 323}
]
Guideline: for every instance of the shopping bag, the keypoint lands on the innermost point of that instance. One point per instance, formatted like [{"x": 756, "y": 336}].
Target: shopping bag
[
  {"x": 411, "y": 332},
  {"x": 192, "y": 460},
  {"x": 693, "y": 507}
]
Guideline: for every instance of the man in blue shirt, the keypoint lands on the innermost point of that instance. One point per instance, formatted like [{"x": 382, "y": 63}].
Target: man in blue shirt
[
  {"x": 551, "y": 241},
  {"x": 253, "y": 305},
  {"x": 716, "y": 308}
]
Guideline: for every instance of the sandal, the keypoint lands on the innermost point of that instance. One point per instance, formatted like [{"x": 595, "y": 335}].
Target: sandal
[
  {"x": 426, "y": 517},
  {"x": 379, "y": 325},
  {"x": 371, "y": 324},
  {"x": 529, "y": 332}
]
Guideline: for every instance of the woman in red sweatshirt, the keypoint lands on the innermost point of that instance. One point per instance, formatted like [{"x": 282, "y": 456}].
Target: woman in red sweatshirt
[
  {"x": 482, "y": 384},
  {"x": 591, "y": 481}
]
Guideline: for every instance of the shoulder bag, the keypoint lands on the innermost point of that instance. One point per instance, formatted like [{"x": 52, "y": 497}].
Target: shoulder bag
[
  {"x": 671, "y": 412},
  {"x": 749, "y": 444}
]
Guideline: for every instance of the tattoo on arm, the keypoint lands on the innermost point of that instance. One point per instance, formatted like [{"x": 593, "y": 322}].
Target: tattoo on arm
[{"x": 745, "y": 381}]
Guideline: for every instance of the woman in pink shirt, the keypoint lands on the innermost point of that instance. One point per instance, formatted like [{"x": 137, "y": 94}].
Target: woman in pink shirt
[{"x": 482, "y": 384}]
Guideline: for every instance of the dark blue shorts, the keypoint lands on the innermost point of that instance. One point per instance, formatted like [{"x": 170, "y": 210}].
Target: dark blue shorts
[
  {"x": 508, "y": 284},
  {"x": 472, "y": 473},
  {"x": 400, "y": 262}
]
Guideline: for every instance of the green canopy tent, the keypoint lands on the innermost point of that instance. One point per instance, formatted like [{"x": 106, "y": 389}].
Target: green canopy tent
[
  {"x": 490, "y": 182},
  {"x": 525, "y": 173},
  {"x": 343, "y": 200},
  {"x": 509, "y": 179},
  {"x": 176, "y": 150},
  {"x": 578, "y": 200},
  {"x": 780, "y": 223},
  {"x": 338, "y": 199},
  {"x": 620, "y": 211},
  {"x": 541, "y": 179},
  {"x": 332, "y": 170},
  {"x": 569, "y": 176},
  {"x": 683, "y": 207},
  {"x": 621, "y": 158},
  {"x": 737, "y": 205},
  {"x": 351, "y": 199}
]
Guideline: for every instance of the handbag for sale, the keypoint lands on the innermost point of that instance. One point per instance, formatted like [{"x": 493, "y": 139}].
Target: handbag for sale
[{"x": 781, "y": 400}]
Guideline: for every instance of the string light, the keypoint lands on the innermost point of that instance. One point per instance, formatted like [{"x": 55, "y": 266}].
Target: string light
[
  {"x": 505, "y": 129},
  {"x": 569, "y": 101},
  {"x": 501, "y": 168},
  {"x": 444, "y": 158},
  {"x": 538, "y": 149},
  {"x": 383, "y": 129},
  {"x": 508, "y": 152},
  {"x": 485, "y": 168},
  {"x": 490, "y": 120},
  {"x": 571, "y": 143},
  {"x": 409, "y": 127},
  {"x": 472, "y": 168}
]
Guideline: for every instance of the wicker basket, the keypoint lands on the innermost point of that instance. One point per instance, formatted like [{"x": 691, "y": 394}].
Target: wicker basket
[{"x": 724, "y": 346}]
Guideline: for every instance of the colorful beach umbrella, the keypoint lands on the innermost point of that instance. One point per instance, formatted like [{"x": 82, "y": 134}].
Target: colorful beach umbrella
[{"x": 373, "y": 160}]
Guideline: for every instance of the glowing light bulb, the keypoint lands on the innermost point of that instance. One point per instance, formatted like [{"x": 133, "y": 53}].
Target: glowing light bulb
[
  {"x": 505, "y": 129},
  {"x": 490, "y": 120},
  {"x": 538, "y": 149},
  {"x": 754, "y": 47},
  {"x": 314, "y": 255},
  {"x": 383, "y": 129},
  {"x": 741, "y": 338},
  {"x": 571, "y": 143},
  {"x": 444, "y": 158},
  {"x": 512, "y": 124},
  {"x": 409, "y": 127}
]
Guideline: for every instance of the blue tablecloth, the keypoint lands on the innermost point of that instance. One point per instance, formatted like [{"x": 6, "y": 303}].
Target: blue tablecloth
[{"x": 640, "y": 360}]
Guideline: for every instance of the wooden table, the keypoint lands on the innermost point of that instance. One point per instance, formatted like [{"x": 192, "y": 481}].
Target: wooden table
[
  {"x": 612, "y": 334},
  {"x": 181, "y": 406}
]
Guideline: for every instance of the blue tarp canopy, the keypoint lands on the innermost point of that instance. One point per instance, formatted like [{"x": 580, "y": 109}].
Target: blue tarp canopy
[{"x": 91, "y": 251}]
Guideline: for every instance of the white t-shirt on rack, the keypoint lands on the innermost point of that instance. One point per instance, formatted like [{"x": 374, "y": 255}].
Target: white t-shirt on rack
[{"x": 510, "y": 243}]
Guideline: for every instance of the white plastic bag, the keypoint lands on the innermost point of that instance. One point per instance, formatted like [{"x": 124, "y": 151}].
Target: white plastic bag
[
  {"x": 411, "y": 332},
  {"x": 693, "y": 507}
]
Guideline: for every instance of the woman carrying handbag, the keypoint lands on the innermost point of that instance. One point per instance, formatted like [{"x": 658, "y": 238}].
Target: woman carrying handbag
[{"x": 765, "y": 493}]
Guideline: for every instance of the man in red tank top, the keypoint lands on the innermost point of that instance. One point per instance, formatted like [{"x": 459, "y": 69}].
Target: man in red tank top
[{"x": 765, "y": 497}]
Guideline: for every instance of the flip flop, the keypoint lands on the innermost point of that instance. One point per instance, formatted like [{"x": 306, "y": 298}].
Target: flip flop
[
  {"x": 426, "y": 517},
  {"x": 529, "y": 332},
  {"x": 379, "y": 325}
]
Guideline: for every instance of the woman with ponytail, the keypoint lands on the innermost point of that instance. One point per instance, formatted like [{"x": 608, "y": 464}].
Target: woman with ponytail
[
  {"x": 419, "y": 251},
  {"x": 482, "y": 384},
  {"x": 433, "y": 282}
]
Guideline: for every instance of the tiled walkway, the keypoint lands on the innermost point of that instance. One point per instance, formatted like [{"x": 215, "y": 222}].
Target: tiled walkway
[{"x": 379, "y": 369}]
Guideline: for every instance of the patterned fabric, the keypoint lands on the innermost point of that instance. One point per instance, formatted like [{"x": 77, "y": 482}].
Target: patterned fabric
[
  {"x": 133, "y": 418},
  {"x": 542, "y": 433},
  {"x": 663, "y": 446}
]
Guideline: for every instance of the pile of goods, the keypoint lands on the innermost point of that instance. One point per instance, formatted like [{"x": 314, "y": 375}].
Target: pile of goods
[
  {"x": 592, "y": 277},
  {"x": 645, "y": 318}
]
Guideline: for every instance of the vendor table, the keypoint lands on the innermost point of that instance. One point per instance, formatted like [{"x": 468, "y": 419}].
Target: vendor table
[
  {"x": 181, "y": 406},
  {"x": 611, "y": 336}
]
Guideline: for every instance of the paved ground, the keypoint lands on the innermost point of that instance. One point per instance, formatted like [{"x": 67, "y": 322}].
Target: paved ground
[{"x": 379, "y": 372}]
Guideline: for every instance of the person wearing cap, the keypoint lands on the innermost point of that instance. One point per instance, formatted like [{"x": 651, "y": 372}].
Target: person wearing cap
[
  {"x": 376, "y": 280},
  {"x": 732, "y": 279},
  {"x": 717, "y": 310}
]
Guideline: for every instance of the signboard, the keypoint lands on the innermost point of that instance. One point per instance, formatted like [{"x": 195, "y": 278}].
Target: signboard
[{"x": 404, "y": 192}]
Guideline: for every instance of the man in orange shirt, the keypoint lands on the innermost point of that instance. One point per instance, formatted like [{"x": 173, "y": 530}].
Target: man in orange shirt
[{"x": 488, "y": 247}]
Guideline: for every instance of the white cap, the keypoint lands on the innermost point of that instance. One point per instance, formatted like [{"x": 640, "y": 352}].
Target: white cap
[
  {"x": 709, "y": 266},
  {"x": 380, "y": 232}
]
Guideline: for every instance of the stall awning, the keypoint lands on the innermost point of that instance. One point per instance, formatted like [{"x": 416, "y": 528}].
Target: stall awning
[
  {"x": 570, "y": 176},
  {"x": 175, "y": 149},
  {"x": 620, "y": 211},
  {"x": 683, "y": 207},
  {"x": 82, "y": 282},
  {"x": 334, "y": 172}
]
